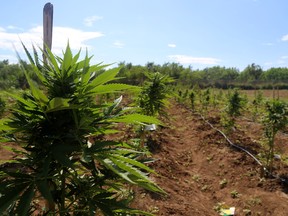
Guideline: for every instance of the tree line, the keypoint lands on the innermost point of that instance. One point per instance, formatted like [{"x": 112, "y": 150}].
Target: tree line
[{"x": 253, "y": 76}]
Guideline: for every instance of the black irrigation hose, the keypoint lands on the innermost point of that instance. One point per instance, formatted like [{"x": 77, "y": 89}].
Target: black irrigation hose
[
  {"x": 232, "y": 144},
  {"x": 241, "y": 148}
]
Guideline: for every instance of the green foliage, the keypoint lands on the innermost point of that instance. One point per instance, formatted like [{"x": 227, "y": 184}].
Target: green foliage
[
  {"x": 2, "y": 106},
  {"x": 65, "y": 159},
  {"x": 192, "y": 97},
  {"x": 251, "y": 73},
  {"x": 205, "y": 100},
  {"x": 276, "y": 119},
  {"x": 257, "y": 102},
  {"x": 154, "y": 95},
  {"x": 236, "y": 103}
]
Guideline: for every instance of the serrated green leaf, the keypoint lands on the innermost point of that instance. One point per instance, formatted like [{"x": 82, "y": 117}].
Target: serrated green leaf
[
  {"x": 10, "y": 195},
  {"x": 132, "y": 162},
  {"x": 52, "y": 59},
  {"x": 37, "y": 93},
  {"x": 149, "y": 185},
  {"x": 27, "y": 103},
  {"x": 60, "y": 154},
  {"x": 67, "y": 59},
  {"x": 136, "y": 118},
  {"x": 112, "y": 88},
  {"x": 18, "y": 175},
  {"x": 129, "y": 169},
  {"x": 25, "y": 200},
  {"x": 4, "y": 125},
  {"x": 111, "y": 165},
  {"x": 44, "y": 190},
  {"x": 28, "y": 54},
  {"x": 103, "y": 78},
  {"x": 57, "y": 104}
]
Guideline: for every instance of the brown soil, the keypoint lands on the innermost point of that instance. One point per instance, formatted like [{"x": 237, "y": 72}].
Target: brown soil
[{"x": 201, "y": 172}]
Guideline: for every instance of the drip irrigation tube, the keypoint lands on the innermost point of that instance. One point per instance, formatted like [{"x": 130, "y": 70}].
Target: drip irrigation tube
[{"x": 283, "y": 180}]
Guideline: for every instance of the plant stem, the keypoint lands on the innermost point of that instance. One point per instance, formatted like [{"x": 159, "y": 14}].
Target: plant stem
[{"x": 62, "y": 204}]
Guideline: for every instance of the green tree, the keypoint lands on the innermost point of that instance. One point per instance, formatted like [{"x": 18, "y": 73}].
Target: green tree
[{"x": 251, "y": 73}]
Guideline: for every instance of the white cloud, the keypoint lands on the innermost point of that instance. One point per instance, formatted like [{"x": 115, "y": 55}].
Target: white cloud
[
  {"x": 61, "y": 35},
  {"x": 89, "y": 21},
  {"x": 14, "y": 27},
  {"x": 172, "y": 45},
  {"x": 285, "y": 38},
  {"x": 118, "y": 44},
  {"x": 12, "y": 59},
  {"x": 184, "y": 59}
]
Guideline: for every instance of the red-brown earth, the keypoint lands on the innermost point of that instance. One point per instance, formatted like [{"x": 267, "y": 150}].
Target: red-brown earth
[{"x": 201, "y": 172}]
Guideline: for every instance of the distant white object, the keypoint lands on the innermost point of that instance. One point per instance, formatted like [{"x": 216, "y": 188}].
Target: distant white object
[{"x": 151, "y": 127}]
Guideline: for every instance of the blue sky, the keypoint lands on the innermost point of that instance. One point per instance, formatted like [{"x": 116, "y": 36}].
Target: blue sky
[{"x": 197, "y": 33}]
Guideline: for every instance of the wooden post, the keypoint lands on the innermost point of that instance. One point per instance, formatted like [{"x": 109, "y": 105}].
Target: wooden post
[
  {"x": 47, "y": 42},
  {"x": 47, "y": 27}
]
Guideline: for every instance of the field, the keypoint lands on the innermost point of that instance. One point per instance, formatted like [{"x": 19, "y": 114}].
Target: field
[{"x": 202, "y": 173}]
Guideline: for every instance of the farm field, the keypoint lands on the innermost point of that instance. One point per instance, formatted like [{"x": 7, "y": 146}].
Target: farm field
[
  {"x": 202, "y": 173},
  {"x": 281, "y": 94}
]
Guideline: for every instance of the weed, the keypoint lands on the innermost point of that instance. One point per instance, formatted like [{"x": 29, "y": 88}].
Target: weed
[
  {"x": 210, "y": 158},
  {"x": 223, "y": 183},
  {"x": 234, "y": 194},
  {"x": 253, "y": 201},
  {"x": 219, "y": 206},
  {"x": 196, "y": 177},
  {"x": 247, "y": 212},
  {"x": 205, "y": 187}
]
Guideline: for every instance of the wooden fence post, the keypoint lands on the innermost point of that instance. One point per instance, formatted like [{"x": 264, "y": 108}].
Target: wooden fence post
[
  {"x": 47, "y": 27},
  {"x": 47, "y": 42}
]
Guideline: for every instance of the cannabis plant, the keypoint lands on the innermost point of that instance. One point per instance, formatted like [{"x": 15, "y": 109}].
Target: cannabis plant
[
  {"x": 67, "y": 159},
  {"x": 257, "y": 102},
  {"x": 2, "y": 106},
  {"x": 192, "y": 97},
  {"x": 275, "y": 120},
  {"x": 234, "y": 108},
  {"x": 154, "y": 95}
]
